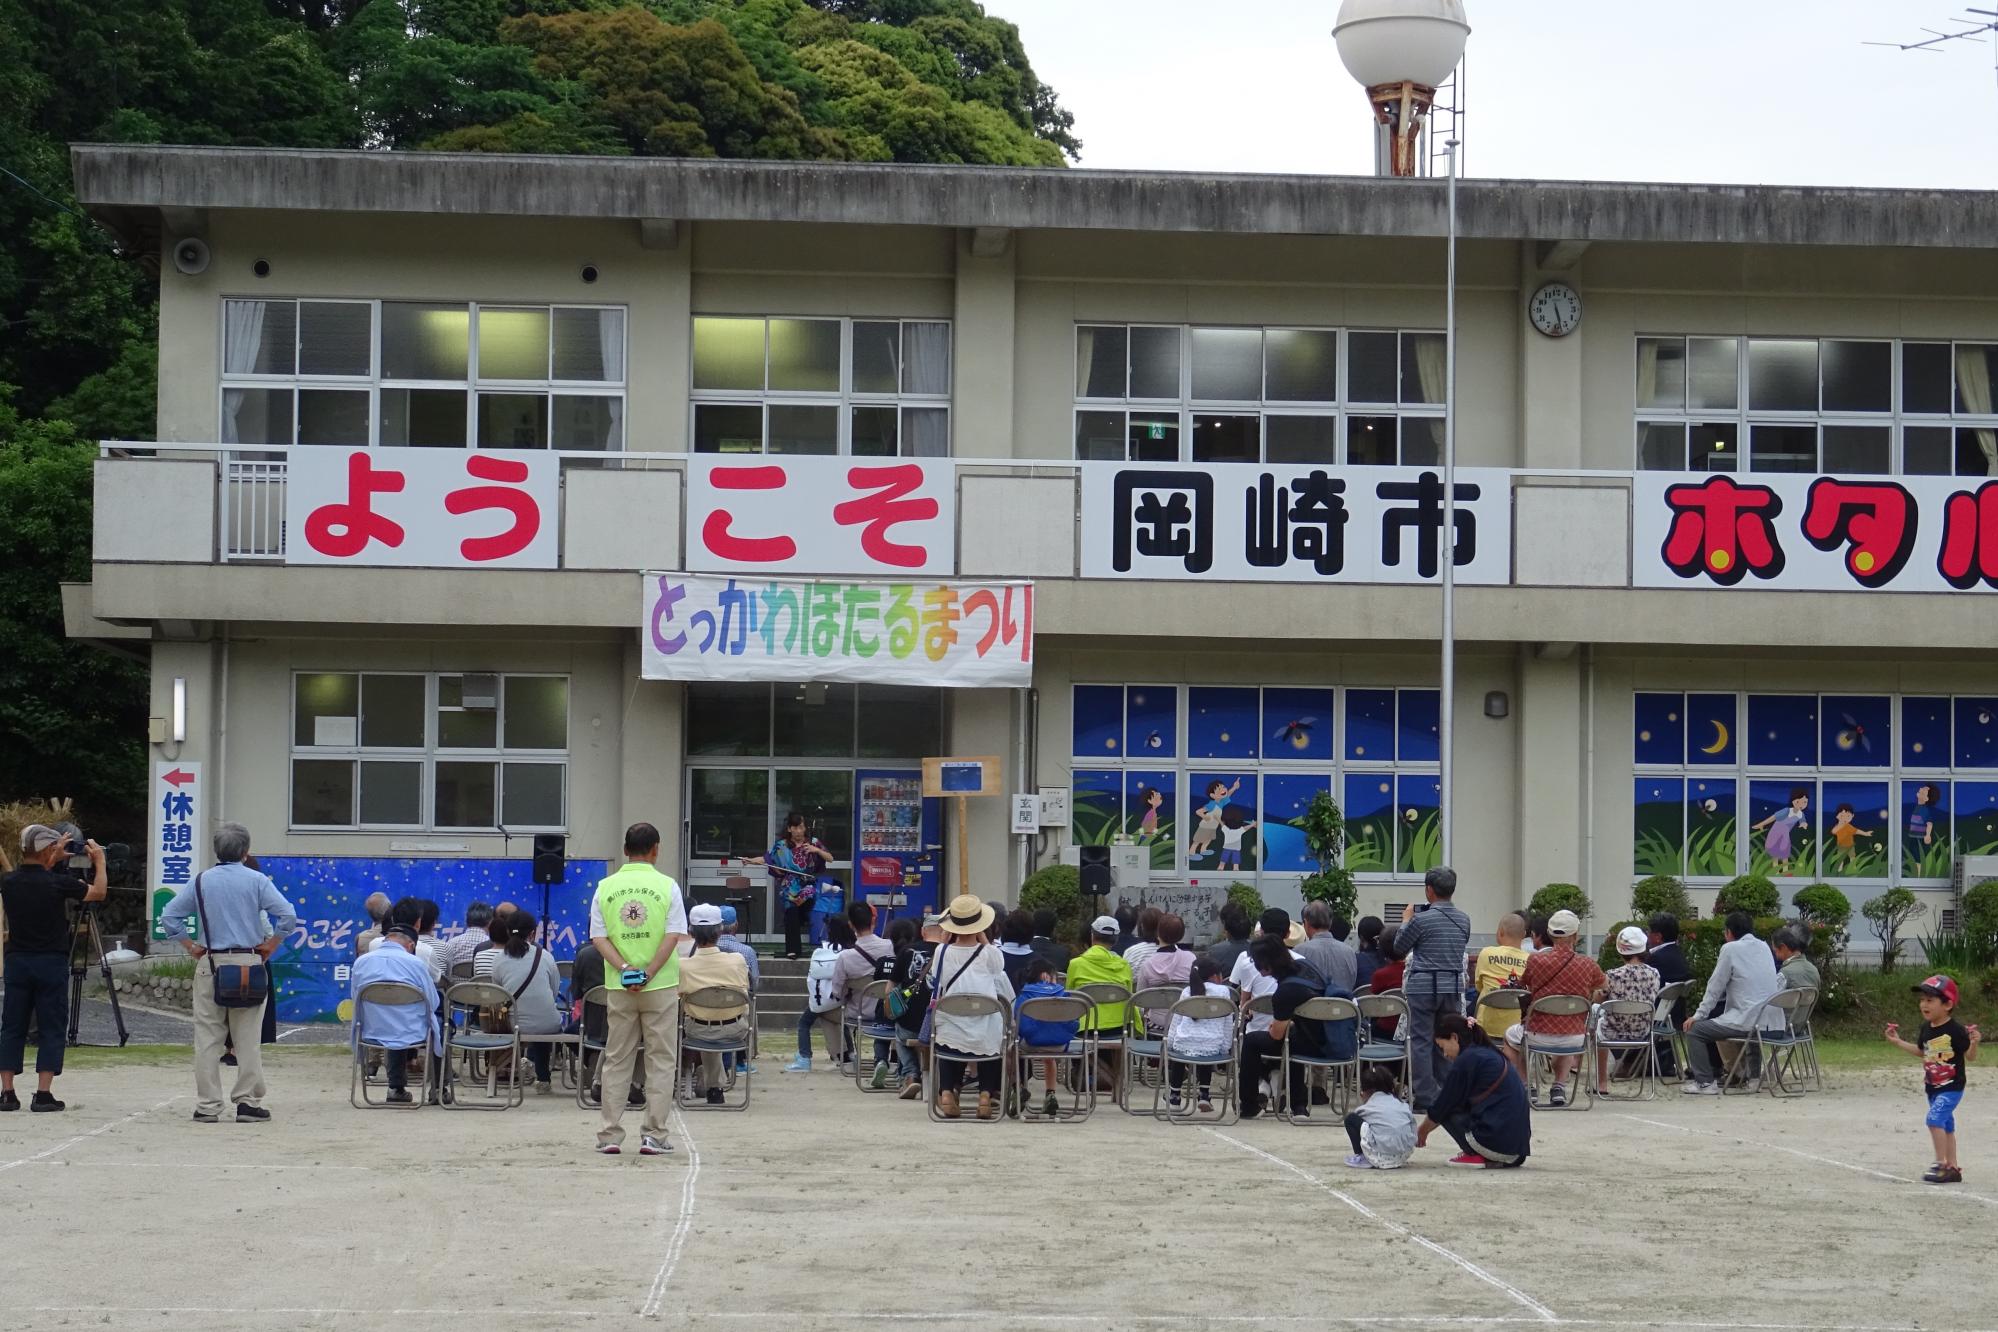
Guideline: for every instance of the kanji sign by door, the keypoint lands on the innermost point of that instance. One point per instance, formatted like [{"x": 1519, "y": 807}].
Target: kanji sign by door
[
  {"x": 881, "y": 517},
  {"x": 423, "y": 508},
  {"x": 175, "y": 833},
  {"x": 1240, "y": 522},
  {"x": 1798, "y": 532}
]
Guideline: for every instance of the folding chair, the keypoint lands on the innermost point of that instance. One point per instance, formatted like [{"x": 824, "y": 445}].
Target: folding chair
[
  {"x": 1108, "y": 994},
  {"x": 1639, "y": 1014},
  {"x": 388, "y": 994},
  {"x": 1663, "y": 1030},
  {"x": 972, "y": 1006},
  {"x": 693, "y": 1042},
  {"x": 1141, "y": 1043},
  {"x": 586, "y": 1047},
  {"x": 1582, "y": 1096},
  {"x": 1202, "y": 1008},
  {"x": 1081, "y": 1052},
  {"x": 472, "y": 1043},
  {"x": 1779, "y": 1048},
  {"x": 852, "y": 1029},
  {"x": 1345, "y": 1072},
  {"x": 1502, "y": 1000},
  {"x": 1375, "y": 1049},
  {"x": 458, "y": 973},
  {"x": 564, "y": 1045}
]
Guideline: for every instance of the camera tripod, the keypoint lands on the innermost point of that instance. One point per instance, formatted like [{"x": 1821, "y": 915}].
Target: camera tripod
[{"x": 85, "y": 936}]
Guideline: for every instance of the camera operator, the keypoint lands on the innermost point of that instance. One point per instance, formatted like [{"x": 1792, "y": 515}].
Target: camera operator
[{"x": 37, "y": 897}]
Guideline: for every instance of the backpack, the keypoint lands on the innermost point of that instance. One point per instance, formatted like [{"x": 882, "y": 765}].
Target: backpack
[
  {"x": 904, "y": 1005},
  {"x": 822, "y": 994}
]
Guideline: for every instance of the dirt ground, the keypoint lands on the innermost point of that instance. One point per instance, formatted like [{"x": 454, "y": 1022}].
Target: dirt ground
[{"x": 822, "y": 1208}]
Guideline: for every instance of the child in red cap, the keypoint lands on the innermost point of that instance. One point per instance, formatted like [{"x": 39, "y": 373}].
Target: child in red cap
[{"x": 1945, "y": 1046}]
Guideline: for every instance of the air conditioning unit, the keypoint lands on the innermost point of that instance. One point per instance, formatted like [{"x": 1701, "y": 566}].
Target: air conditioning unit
[
  {"x": 1967, "y": 874},
  {"x": 480, "y": 693}
]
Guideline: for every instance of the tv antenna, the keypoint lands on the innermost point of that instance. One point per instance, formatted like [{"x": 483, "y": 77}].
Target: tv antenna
[{"x": 1978, "y": 29}]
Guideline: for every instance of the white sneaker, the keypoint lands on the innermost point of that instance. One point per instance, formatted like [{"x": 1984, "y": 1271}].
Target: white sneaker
[
  {"x": 1357, "y": 1162},
  {"x": 654, "y": 1146},
  {"x": 1702, "y": 1089}
]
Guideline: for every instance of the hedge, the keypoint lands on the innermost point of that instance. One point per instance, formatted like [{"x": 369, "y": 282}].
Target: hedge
[
  {"x": 1753, "y": 893},
  {"x": 1661, "y": 893}
]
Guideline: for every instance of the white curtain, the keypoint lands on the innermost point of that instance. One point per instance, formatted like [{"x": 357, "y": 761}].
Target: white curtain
[
  {"x": 925, "y": 432},
  {"x": 1647, "y": 371},
  {"x": 1973, "y": 385},
  {"x": 926, "y": 358},
  {"x": 1431, "y": 371},
  {"x": 242, "y": 338},
  {"x": 610, "y": 342}
]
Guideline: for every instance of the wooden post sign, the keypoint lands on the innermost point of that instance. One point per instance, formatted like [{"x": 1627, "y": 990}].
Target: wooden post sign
[{"x": 962, "y": 778}]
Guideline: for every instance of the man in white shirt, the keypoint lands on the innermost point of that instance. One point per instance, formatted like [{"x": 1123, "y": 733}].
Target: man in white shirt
[{"x": 1744, "y": 980}]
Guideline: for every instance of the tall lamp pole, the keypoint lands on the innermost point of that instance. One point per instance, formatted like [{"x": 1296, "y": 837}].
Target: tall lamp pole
[{"x": 1447, "y": 767}]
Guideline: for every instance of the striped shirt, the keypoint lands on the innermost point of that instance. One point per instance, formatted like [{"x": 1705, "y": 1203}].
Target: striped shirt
[{"x": 1434, "y": 943}]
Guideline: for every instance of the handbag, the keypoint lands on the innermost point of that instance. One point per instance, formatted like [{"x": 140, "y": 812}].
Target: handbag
[
  {"x": 237, "y": 984},
  {"x": 498, "y": 1018}
]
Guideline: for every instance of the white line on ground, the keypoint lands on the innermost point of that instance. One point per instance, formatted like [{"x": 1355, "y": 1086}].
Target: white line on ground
[
  {"x": 1513, "y": 1292},
  {"x": 289, "y": 1031},
  {"x": 1950, "y": 1191},
  {"x": 677, "y": 1244},
  {"x": 85, "y": 1137}
]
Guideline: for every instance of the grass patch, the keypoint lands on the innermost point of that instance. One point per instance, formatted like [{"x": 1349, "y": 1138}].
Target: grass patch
[{"x": 1865, "y": 1001}]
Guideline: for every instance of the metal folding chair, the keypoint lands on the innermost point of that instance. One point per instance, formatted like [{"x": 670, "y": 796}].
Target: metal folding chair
[
  {"x": 472, "y": 1043},
  {"x": 972, "y": 1006},
  {"x": 1662, "y": 1028},
  {"x": 387, "y": 994},
  {"x": 697, "y": 1040},
  {"x": 1202, "y": 1008},
  {"x": 1582, "y": 1095},
  {"x": 1778, "y": 1048},
  {"x": 1081, "y": 1052},
  {"x": 1375, "y": 1049},
  {"x": 458, "y": 973},
  {"x": 1639, "y": 1014},
  {"x": 1345, "y": 1073},
  {"x": 853, "y": 1029},
  {"x": 1502, "y": 1000},
  {"x": 1141, "y": 1042},
  {"x": 585, "y": 1048},
  {"x": 1108, "y": 994}
]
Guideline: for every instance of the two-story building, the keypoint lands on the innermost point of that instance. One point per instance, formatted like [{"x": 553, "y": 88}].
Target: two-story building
[{"x": 504, "y": 495}]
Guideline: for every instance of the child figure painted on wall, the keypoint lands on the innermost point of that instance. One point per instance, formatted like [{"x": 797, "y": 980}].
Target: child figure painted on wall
[
  {"x": 1233, "y": 828},
  {"x": 1781, "y": 826},
  {"x": 1846, "y": 833},
  {"x": 1922, "y": 820},
  {"x": 1148, "y": 826},
  {"x": 1209, "y": 816}
]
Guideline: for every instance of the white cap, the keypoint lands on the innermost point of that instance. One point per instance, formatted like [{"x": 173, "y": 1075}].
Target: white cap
[
  {"x": 1631, "y": 941},
  {"x": 1104, "y": 925},
  {"x": 1564, "y": 923},
  {"x": 707, "y": 913}
]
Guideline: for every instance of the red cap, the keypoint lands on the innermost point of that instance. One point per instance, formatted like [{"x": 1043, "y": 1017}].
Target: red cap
[{"x": 1942, "y": 987}]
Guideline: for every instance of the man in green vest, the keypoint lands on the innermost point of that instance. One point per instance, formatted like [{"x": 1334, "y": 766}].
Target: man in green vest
[{"x": 638, "y": 920}]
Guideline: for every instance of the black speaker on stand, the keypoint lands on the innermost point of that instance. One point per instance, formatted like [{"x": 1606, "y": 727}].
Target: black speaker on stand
[
  {"x": 1093, "y": 869},
  {"x": 551, "y": 866}
]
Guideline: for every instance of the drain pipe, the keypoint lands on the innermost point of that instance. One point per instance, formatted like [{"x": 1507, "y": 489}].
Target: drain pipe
[{"x": 1589, "y": 777}]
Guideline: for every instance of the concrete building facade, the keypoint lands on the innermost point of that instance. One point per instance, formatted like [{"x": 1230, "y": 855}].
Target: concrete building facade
[{"x": 1066, "y": 355}]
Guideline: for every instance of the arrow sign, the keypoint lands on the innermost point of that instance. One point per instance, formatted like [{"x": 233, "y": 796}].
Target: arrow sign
[{"x": 176, "y": 778}]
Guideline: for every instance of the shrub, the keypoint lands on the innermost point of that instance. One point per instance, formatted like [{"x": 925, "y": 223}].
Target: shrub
[
  {"x": 1889, "y": 913},
  {"x": 1822, "y": 904},
  {"x": 1334, "y": 887},
  {"x": 1057, "y": 888},
  {"x": 1751, "y": 893},
  {"x": 1247, "y": 898},
  {"x": 1560, "y": 897},
  {"x": 1958, "y": 952},
  {"x": 1988, "y": 982},
  {"x": 1661, "y": 893},
  {"x": 1980, "y": 909}
]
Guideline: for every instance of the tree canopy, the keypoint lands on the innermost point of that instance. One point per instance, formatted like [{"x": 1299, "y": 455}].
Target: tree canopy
[{"x": 869, "y": 80}]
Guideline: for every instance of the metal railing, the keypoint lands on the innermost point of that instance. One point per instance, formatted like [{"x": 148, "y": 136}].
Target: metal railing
[{"x": 252, "y": 507}]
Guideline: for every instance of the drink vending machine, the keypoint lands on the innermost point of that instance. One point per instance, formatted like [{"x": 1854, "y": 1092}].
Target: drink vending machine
[{"x": 897, "y": 841}]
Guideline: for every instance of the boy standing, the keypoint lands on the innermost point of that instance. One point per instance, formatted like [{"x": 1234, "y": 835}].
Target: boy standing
[{"x": 1945, "y": 1046}]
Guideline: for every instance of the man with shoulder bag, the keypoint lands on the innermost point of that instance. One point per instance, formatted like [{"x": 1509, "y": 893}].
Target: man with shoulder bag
[{"x": 243, "y": 919}]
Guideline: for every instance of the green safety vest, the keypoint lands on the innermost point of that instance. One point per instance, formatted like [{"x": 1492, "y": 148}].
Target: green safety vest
[{"x": 636, "y": 903}]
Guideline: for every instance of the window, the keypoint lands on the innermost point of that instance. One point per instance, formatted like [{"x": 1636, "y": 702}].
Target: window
[
  {"x": 456, "y": 752},
  {"x": 1217, "y": 778},
  {"x": 362, "y": 373},
  {"x": 1852, "y": 406},
  {"x": 1152, "y": 393},
  {"x": 1867, "y": 787},
  {"x": 872, "y": 388}
]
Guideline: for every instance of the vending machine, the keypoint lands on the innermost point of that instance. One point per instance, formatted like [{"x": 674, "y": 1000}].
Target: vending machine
[{"x": 896, "y": 844}]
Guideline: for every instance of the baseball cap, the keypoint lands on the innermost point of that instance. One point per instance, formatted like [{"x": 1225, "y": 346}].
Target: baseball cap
[
  {"x": 1104, "y": 926},
  {"x": 1564, "y": 923},
  {"x": 1630, "y": 941},
  {"x": 38, "y": 837},
  {"x": 707, "y": 913},
  {"x": 728, "y": 917},
  {"x": 1942, "y": 987}
]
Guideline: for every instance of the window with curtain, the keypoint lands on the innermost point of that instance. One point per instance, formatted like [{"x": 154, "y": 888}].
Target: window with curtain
[
  {"x": 1733, "y": 404},
  {"x": 359, "y": 373},
  {"x": 871, "y": 388},
  {"x": 1202, "y": 394}
]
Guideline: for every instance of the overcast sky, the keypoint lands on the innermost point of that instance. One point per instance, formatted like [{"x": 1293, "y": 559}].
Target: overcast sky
[{"x": 1761, "y": 91}]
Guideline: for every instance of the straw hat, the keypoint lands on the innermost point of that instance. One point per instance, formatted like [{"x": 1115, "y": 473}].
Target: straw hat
[
  {"x": 1293, "y": 936},
  {"x": 967, "y": 915}
]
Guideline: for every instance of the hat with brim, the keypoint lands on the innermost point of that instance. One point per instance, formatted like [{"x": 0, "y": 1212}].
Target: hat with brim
[
  {"x": 1294, "y": 935},
  {"x": 1939, "y": 987},
  {"x": 37, "y": 838},
  {"x": 967, "y": 915}
]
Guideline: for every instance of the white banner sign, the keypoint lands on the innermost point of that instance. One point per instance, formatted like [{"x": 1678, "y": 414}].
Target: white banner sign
[
  {"x": 423, "y": 508},
  {"x": 1797, "y": 532},
  {"x": 1241, "y": 522},
  {"x": 175, "y": 832},
  {"x": 879, "y": 517},
  {"x": 924, "y": 632}
]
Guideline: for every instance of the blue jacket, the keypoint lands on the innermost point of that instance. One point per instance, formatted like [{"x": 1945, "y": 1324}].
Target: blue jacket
[
  {"x": 1501, "y": 1121},
  {"x": 1033, "y": 1031}
]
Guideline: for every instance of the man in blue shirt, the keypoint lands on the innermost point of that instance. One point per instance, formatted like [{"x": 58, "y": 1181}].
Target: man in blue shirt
[
  {"x": 403, "y": 1028},
  {"x": 730, "y": 944},
  {"x": 243, "y": 918}
]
